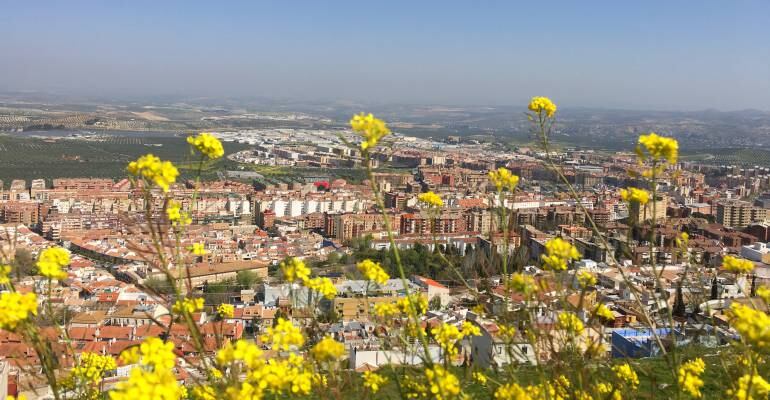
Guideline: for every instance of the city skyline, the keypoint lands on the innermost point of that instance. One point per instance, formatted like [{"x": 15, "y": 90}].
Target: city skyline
[{"x": 653, "y": 56}]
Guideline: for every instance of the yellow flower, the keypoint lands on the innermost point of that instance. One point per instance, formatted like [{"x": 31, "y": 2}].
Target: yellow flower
[
  {"x": 176, "y": 215},
  {"x": 51, "y": 262},
  {"x": 431, "y": 199},
  {"x": 153, "y": 378},
  {"x": 558, "y": 252},
  {"x": 413, "y": 303},
  {"x": 5, "y": 274},
  {"x": 283, "y": 335},
  {"x": 507, "y": 332},
  {"x": 324, "y": 286},
  {"x": 226, "y": 310},
  {"x": 447, "y": 336},
  {"x": 294, "y": 269},
  {"x": 441, "y": 383},
  {"x": 373, "y": 381},
  {"x": 522, "y": 283},
  {"x": 750, "y": 387},
  {"x": 604, "y": 312},
  {"x": 370, "y": 128},
  {"x": 203, "y": 392},
  {"x": 373, "y": 271},
  {"x": 91, "y": 367},
  {"x": 188, "y": 306},
  {"x": 626, "y": 374},
  {"x": 658, "y": 148},
  {"x": 198, "y": 249},
  {"x": 570, "y": 323},
  {"x": 172, "y": 211},
  {"x": 764, "y": 293},
  {"x": 152, "y": 169},
  {"x": 480, "y": 378},
  {"x": 586, "y": 279},
  {"x": 503, "y": 179},
  {"x": 241, "y": 351},
  {"x": 737, "y": 265},
  {"x": 157, "y": 353},
  {"x": 753, "y": 326},
  {"x": 683, "y": 239},
  {"x": 385, "y": 310},
  {"x": 327, "y": 350},
  {"x": 542, "y": 105},
  {"x": 143, "y": 384},
  {"x": 512, "y": 391},
  {"x": 635, "y": 195},
  {"x": 207, "y": 144},
  {"x": 689, "y": 377},
  {"x": 16, "y": 308}
]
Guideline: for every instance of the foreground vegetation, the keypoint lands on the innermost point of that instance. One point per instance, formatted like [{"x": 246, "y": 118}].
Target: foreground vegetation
[{"x": 305, "y": 362}]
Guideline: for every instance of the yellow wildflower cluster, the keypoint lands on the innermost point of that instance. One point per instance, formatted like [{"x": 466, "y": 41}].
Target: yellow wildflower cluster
[
  {"x": 658, "y": 148},
  {"x": 448, "y": 335},
  {"x": 327, "y": 350},
  {"x": 521, "y": 283},
  {"x": 737, "y": 265},
  {"x": 570, "y": 322},
  {"x": 51, "y": 262},
  {"x": 91, "y": 367},
  {"x": 752, "y": 325},
  {"x": 683, "y": 240},
  {"x": 152, "y": 169},
  {"x": 370, "y": 128},
  {"x": 283, "y": 335},
  {"x": 764, "y": 293},
  {"x": 503, "y": 179},
  {"x": 198, "y": 249},
  {"x": 294, "y": 269},
  {"x": 187, "y": 306},
  {"x": 226, "y": 310},
  {"x": 541, "y": 104},
  {"x": 413, "y": 303},
  {"x": 604, "y": 312},
  {"x": 16, "y": 308},
  {"x": 558, "y": 390},
  {"x": 438, "y": 383},
  {"x": 431, "y": 199},
  {"x": 750, "y": 387},
  {"x": 207, "y": 144},
  {"x": 373, "y": 271},
  {"x": 627, "y": 375},
  {"x": 507, "y": 332},
  {"x": 689, "y": 377},
  {"x": 5, "y": 274},
  {"x": 585, "y": 279},
  {"x": 635, "y": 195},
  {"x": 480, "y": 378},
  {"x": 385, "y": 310},
  {"x": 288, "y": 376},
  {"x": 558, "y": 252},
  {"x": 373, "y": 381},
  {"x": 242, "y": 351},
  {"x": 175, "y": 215},
  {"x": 324, "y": 286},
  {"x": 153, "y": 378}
]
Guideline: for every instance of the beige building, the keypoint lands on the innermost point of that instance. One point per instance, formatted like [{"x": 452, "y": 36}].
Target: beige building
[
  {"x": 738, "y": 214},
  {"x": 645, "y": 213}
]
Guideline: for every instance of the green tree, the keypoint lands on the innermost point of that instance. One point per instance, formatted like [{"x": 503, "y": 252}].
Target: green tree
[
  {"x": 23, "y": 263},
  {"x": 247, "y": 279}
]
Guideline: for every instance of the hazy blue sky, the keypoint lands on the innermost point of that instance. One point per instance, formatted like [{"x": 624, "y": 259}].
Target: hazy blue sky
[{"x": 631, "y": 54}]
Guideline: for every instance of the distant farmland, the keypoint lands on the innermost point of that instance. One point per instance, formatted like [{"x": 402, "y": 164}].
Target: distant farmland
[{"x": 32, "y": 158}]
